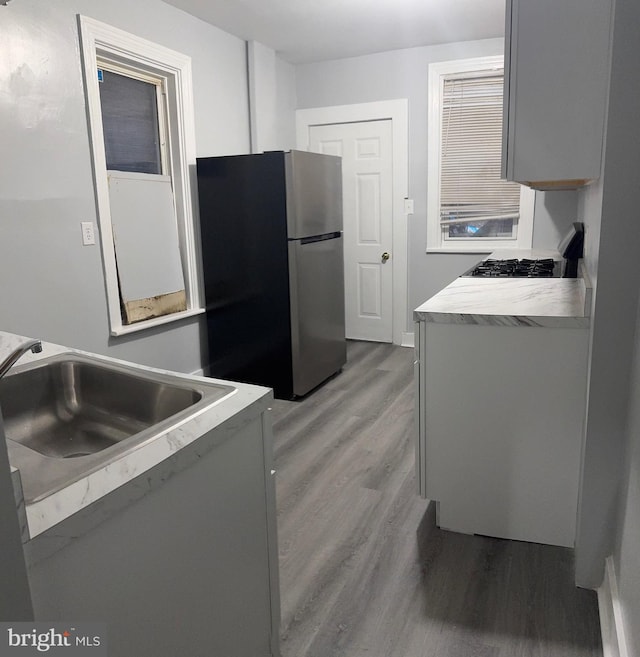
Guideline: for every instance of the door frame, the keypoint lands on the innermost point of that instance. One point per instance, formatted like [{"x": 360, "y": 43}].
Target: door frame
[{"x": 398, "y": 112}]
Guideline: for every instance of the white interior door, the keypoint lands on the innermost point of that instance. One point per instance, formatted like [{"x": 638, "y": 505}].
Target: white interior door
[{"x": 366, "y": 149}]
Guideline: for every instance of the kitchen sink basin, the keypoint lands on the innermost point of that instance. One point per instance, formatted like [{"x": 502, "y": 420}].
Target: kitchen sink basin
[{"x": 68, "y": 415}]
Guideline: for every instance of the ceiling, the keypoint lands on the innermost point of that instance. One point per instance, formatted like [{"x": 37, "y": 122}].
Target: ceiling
[{"x": 316, "y": 30}]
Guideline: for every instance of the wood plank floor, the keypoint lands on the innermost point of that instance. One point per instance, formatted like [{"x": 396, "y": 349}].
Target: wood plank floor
[{"x": 365, "y": 572}]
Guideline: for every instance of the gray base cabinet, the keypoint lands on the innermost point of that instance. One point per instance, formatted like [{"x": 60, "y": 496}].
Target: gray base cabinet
[
  {"x": 499, "y": 413},
  {"x": 188, "y": 569},
  {"x": 556, "y": 79}
]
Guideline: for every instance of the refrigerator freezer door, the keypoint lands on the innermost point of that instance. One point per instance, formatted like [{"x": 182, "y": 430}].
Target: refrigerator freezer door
[
  {"x": 314, "y": 194},
  {"x": 316, "y": 280},
  {"x": 244, "y": 264}
]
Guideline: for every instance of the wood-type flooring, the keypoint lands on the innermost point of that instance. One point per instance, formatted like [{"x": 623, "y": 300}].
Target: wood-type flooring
[{"x": 365, "y": 572}]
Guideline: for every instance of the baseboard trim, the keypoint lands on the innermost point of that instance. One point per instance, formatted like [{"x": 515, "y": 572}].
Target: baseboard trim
[
  {"x": 614, "y": 643},
  {"x": 407, "y": 339}
]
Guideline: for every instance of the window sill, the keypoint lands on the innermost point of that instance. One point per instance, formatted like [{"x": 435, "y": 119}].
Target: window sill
[
  {"x": 156, "y": 321},
  {"x": 463, "y": 250}
]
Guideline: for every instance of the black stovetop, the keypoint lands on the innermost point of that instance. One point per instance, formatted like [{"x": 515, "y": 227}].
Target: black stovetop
[{"x": 513, "y": 268}]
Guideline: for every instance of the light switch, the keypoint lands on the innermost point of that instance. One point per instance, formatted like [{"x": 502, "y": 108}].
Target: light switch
[
  {"x": 88, "y": 236},
  {"x": 408, "y": 206}
]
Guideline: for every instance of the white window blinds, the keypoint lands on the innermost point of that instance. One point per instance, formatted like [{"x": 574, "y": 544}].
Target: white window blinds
[{"x": 471, "y": 150}]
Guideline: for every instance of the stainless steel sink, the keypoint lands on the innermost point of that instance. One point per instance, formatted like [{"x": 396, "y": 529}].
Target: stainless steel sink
[{"x": 68, "y": 415}]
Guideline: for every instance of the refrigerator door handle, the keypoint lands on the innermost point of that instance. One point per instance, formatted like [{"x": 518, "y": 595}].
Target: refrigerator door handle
[{"x": 320, "y": 238}]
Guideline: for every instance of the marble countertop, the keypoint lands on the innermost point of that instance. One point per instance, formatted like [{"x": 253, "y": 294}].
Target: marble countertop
[
  {"x": 549, "y": 302},
  {"x": 225, "y": 415}
]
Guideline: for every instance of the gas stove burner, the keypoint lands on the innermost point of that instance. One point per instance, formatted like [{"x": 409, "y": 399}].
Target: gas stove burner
[
  {"x": 513, "y": 268},
  {"x": 537, "y": 268}
]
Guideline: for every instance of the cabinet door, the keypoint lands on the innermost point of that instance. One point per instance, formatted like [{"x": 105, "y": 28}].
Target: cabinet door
[
  {"x": 195, "y": 557},
  {"x": 502, "y": 432},
  {"x": 556, "y": 80}
]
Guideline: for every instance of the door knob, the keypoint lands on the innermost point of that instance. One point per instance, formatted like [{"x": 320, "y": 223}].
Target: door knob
[{"x": 385, "y": 256}]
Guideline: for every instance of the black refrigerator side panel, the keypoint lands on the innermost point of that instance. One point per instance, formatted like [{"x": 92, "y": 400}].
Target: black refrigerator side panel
[{"x": 246, "y": 278}]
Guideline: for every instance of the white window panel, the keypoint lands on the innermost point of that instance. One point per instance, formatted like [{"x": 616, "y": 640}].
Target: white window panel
[{"x": 143, "y": 217}]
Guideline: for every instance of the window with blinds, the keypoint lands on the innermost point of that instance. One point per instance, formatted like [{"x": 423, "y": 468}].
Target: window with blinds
[
  {"x": 469, "y": 208},
  {"x": 474, "y": 201}
]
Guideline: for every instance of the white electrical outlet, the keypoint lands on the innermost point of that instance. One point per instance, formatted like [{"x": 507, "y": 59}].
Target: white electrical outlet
[
  {"x": 408, "y": 206},
  {"x": 88, "y": 236}
]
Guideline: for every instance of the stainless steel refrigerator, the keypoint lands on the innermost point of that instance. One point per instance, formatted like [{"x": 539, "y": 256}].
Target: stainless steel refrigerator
[{"x": 272, "y": 255}]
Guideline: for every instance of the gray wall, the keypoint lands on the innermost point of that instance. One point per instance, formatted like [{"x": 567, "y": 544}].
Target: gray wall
[
  {"x": 403, "y": 74},
  {"x": 286, "y": 103},
  {"x": 272, "y": 95},
  {"x": 610, "y": 502},
  {"x": 627, "y": 552},
  {"x": 610, "y": 505},
  {"x": 52, "y": 287}
]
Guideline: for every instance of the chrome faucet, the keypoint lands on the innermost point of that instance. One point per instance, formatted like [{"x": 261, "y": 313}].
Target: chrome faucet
[{"x": 34, "y": 345}]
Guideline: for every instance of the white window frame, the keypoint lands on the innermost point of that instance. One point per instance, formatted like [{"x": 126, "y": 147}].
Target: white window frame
[
  {"x": 435, "y": 242},
  {"x": 100, "y": 42}
]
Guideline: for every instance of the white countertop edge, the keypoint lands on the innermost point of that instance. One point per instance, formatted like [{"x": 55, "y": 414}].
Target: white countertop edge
[{"x": 501, "y": 320}]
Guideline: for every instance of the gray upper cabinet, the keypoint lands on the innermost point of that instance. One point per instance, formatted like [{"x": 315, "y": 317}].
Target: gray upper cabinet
[{"x": 556, "y": 79}]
